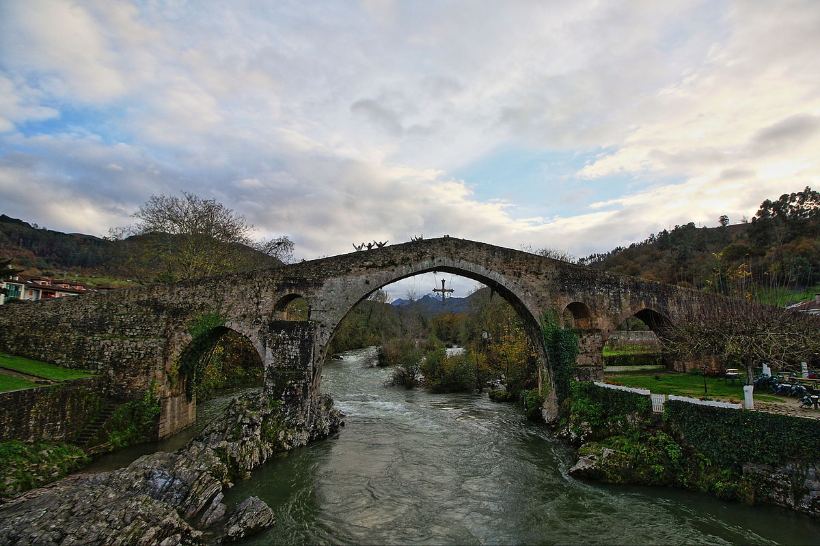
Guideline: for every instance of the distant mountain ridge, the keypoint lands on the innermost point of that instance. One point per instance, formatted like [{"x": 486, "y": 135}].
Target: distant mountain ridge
[{"x": 431, "y": 306}]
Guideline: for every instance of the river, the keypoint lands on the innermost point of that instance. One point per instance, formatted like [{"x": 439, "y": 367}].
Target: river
[{"x": 415, "y": 467}]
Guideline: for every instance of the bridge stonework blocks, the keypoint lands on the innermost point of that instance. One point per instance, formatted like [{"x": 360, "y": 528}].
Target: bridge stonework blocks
[
  {"x": 289, "y": 360},
  {"x": 134, "y": 336}
]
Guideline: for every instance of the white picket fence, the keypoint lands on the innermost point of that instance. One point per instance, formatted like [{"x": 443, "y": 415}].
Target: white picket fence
[
  {"x": 658, "y": 400},
  {"x": 713, "y": 403},
  {"x": 644, "y": 392}
]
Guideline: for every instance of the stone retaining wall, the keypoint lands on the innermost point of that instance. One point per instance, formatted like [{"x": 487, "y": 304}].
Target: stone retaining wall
[
  {"x": 56, "y": 412},
  {"x": 625, "y": 338}
]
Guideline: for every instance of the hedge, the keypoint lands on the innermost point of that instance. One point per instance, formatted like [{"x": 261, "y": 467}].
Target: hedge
[
  {"x": 605, "y": 411},
  {"x": 733, "y": 437},
  {"x": 614, "y": 401}
]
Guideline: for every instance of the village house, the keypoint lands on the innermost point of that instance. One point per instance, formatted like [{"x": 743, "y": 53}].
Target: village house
[{"x": 18, "y": 287}]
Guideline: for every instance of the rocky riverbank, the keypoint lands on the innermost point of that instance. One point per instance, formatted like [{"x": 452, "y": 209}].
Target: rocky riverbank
[
  {"x": 743, "y": 456},
  {"x": 172, "y": 498}
]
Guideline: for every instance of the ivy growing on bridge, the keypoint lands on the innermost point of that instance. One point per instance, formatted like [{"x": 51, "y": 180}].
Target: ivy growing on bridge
[
  {"x": 202, "y": 342},
  {"x": 562, "y": 350}
]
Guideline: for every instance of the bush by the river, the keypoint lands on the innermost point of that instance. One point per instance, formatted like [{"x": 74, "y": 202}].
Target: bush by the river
[
  {"x": 449, "y": 374},
  {"x": 25, "y": 465},
  {"x": 399, "y": 352},
  {"x": 532, "y": 400},
  {"x": 654, "y": 457}
]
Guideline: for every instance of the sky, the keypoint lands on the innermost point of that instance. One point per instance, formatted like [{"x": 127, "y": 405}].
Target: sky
[{"x": 578, "y": 126}]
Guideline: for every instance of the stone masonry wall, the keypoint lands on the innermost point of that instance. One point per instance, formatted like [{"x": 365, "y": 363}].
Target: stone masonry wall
[{"x": 56, "y": 412}]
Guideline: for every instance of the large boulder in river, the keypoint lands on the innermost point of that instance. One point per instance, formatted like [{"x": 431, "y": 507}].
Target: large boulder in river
[{"x": 249, "y": 518}]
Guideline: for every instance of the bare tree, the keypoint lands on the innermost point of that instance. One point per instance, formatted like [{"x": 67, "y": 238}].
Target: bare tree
[
  {"x": 380, "y": 296},
  {"x": 190, "y": 237},
  {"x": 412, "y": 294},
  {"x": 552, "y": 253},
  {"x": 280, "y": 248},
  {"x": 743, "y": 334}
]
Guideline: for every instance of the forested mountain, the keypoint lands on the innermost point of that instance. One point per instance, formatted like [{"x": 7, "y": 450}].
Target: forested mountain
[
  {"x": 431, "y": 306},
  {"x": 778, "y": 250},
  {"x": 47, "y": 252}
]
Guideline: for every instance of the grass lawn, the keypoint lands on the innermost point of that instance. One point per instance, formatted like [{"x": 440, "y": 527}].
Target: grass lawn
[
  {"x": 12, "y": 383},
  {"x": 685, "y": 384},
  {"x": 40, "y": 369},
  {"x": 94, "y": 281},
  {"x": 781, "y": 297}
]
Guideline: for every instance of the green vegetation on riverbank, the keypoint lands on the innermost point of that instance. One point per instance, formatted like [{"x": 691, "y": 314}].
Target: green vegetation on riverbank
[
  {"x": 134, "y": 422},
  {"x": 14, "y": 383},
  {"x": 40, "y": 369},
  {"x": 25, "y": 465},
  {"x": 688, "y": 384},
  {"x": 694, "y": 447}
]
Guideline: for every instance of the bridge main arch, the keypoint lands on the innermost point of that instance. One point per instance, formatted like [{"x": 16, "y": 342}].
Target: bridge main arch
[{"x": 338, "y": 297}]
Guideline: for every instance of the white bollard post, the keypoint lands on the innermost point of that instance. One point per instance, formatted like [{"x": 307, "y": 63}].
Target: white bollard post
[
  {"x": 767, "y": 371},
  {"x": 804, "y": 369},
  {"x": 748, "y": 398}
]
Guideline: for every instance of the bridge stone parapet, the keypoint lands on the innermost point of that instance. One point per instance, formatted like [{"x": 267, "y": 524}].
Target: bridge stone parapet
[{"x": 136, "y": 336}]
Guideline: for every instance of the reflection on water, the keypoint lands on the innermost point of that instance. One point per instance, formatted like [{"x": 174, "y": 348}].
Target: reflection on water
[{"x": 413, "y": 467}]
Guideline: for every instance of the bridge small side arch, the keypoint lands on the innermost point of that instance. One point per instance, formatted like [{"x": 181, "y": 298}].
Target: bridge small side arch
[
  {"x": 577, "y": 315},
  {"x": 219, "y": 358},
  {"x": 291, "y": 306},
  {"x": 655, "y": 320}
]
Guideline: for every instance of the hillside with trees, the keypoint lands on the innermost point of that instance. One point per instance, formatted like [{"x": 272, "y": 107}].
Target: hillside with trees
[
  {"x": 775, "y": 257},
  {"x": 174, "y": 238}
]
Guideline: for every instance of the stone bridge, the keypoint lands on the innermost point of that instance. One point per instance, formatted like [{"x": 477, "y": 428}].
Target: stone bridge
[{"x": 138, "y": 337}]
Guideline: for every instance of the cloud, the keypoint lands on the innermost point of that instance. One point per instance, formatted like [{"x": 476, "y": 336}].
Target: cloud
[
  {"x": 786, "y": 133},
  {"x": 18, "y": 103},
  {"x": 337, "y": 123}
]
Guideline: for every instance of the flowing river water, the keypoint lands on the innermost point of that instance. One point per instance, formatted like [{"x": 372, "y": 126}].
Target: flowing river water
[{"x": 414, "y": 467}]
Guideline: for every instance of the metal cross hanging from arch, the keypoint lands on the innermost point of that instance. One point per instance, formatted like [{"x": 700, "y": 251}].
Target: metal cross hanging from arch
[{"x": 443, "y": 291}]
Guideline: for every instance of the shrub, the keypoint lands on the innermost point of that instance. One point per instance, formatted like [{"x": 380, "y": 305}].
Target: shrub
[
  {"x": 501, "y": 395},
  {"x": 406, "y": 358},
  {"x": 449, "y": 374},
  {"x": 398, "y": 352},
  {"x": 25, "y": 465},
  {"x": 532, "y": 400},
  {"x": 135, "y": 421}
]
